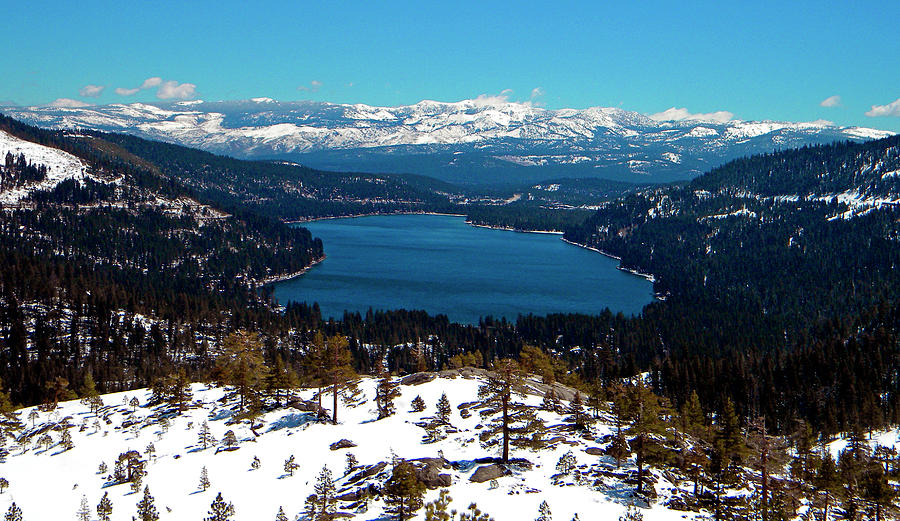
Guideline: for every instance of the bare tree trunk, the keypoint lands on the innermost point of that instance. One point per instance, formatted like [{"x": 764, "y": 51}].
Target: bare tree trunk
[
  {"x": 335, "y": 389},
  {"x": 764, "y": 457},
  {"x": 640, "y": 464},
  {"x": 506, "y": 429}
]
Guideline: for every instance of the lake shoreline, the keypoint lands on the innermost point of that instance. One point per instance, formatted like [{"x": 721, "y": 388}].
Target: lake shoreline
[
  {"x": 272, "y": 279},
  {"x": 648, "y": 276},
  {"x": 373, "y": 214},
  {"x": 511, "y": 229},
  {"x": 470, "y": 223}
]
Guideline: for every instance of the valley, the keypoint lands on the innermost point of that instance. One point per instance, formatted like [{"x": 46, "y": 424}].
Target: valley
[{"x": 132, "y": 265}]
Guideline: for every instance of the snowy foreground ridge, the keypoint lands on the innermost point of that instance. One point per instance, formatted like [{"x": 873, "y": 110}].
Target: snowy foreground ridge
[{"x": 49, "y": 483}]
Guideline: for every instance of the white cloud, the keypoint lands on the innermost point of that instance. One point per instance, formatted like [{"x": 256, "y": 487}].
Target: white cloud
[
  {"x": 537, "y": 92},
  {"x": 313, "y": 86},
  {"x": 484, "y": 100},
  {"x": 891, "y": 109},
  {"x": 831, "y": 101},
  {"x": 121, "y": 91},
  {"x": 172, "y": 89},
  {"x": 90, "y": 91},
  {"x": 149, "y": 83},
  {"x": 682, "y": 114},
  {"x": 67, "y": 103}
]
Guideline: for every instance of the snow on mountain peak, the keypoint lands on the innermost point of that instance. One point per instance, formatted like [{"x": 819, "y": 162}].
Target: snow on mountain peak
[{"x": 612, "y": 137}]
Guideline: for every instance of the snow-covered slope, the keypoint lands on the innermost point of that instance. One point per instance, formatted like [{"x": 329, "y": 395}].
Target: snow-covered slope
[
  {"x": 489, "y": 134},
  {"x": 61, "y": 166},
  {"x": 49, "y": 483}
]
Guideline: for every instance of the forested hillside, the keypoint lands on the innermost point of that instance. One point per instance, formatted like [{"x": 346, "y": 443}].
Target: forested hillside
[
  {"x": 780, "y": 281},
  {"x": 119, "y": 270}
]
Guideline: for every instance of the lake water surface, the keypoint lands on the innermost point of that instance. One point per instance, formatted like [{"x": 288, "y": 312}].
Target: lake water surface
[{"x": 442, "y": 265}]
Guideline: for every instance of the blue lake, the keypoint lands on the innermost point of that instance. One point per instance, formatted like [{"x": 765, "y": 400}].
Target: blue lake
[{"x": 442, "y": 265}]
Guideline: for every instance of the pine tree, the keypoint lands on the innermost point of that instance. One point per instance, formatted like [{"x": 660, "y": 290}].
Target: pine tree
[
  {"x": 136, "y": 482},
  {"x": 385, "y": 394},
  {"x": 281, "y": 380},
  {"x": 44, "y": 441},
  {"x": 173, "y": 389},
  {"x": 134, "y": 403},
  {"x": 230, "y": 440},
  {"x": 7, "y": 409},
  {"x": 827, "y": 480},
  {"x": 536, "y": 361},
  {"x": 577, "y": 415},
  {"x": 403, "y": 492},
  {"x": 14, "y": 513},
  {"x": 596, "y": 398},
  {"x": 566, "y": 463},
  {"x": 351, "y": 463},
  {"x": 4, "y": 484},
  {"x": 88, "y": 389},
  {"x": 544, "y": 513},
  {"x": 281, "y": 516},
  {"x": 204, "y": 479},
  {"x": 731, "y": 436},
  {"x": 336, "y": 366},
  {"x": 438, "y": 510},
  {"x": 290, "y": 465},
  {"x": 696, "y": 462},
  {"x": 417, "y": 404},
  {"x": 219, "y": 510},
  {"x": 314, "y": 367},
  {"x": 242, "y": 367},
  {"x": 473, "y": 513},
  {"x": 205, "y": 436},
  {"x": 877, "y": 490},
  {"x": 551, "y": 401},
  {"x": 66, "y": 440},
  {"x": 768, "y": 456},
  {"x": 84, "y": 511},
  {"x": 255, "y": 463},
  {"x": 618, "y": 449},
  {"x": 444, "y": 409},
  {"x": 104, "y": 508},
  {"x": 646, "y": 410},
  {"x": 632, "y": 513},
  {"x": 500, "y": 390},
  {"x": 324, "y": 490},
  {"x": 146, "y": 510},
  {"x": 692, "y": 419}
]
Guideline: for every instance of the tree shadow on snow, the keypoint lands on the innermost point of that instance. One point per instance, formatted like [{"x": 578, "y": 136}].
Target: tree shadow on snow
[{"x": 291, "y": 420}]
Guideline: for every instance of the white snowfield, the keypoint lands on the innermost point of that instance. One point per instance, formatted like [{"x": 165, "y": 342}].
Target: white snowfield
[
  {"x": 48, "y": 484},
  {"x": 61, "y": 166}
]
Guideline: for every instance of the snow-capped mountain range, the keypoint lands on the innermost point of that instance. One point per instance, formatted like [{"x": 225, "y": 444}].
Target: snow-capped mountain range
[{"x": 480, "y": 140}]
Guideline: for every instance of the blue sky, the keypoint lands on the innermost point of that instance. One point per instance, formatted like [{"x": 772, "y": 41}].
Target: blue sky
[{"x": 755, "y": 60}]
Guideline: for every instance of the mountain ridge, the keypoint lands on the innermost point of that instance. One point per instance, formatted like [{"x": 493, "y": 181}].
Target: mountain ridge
[{"x": 482, "y": 140}]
